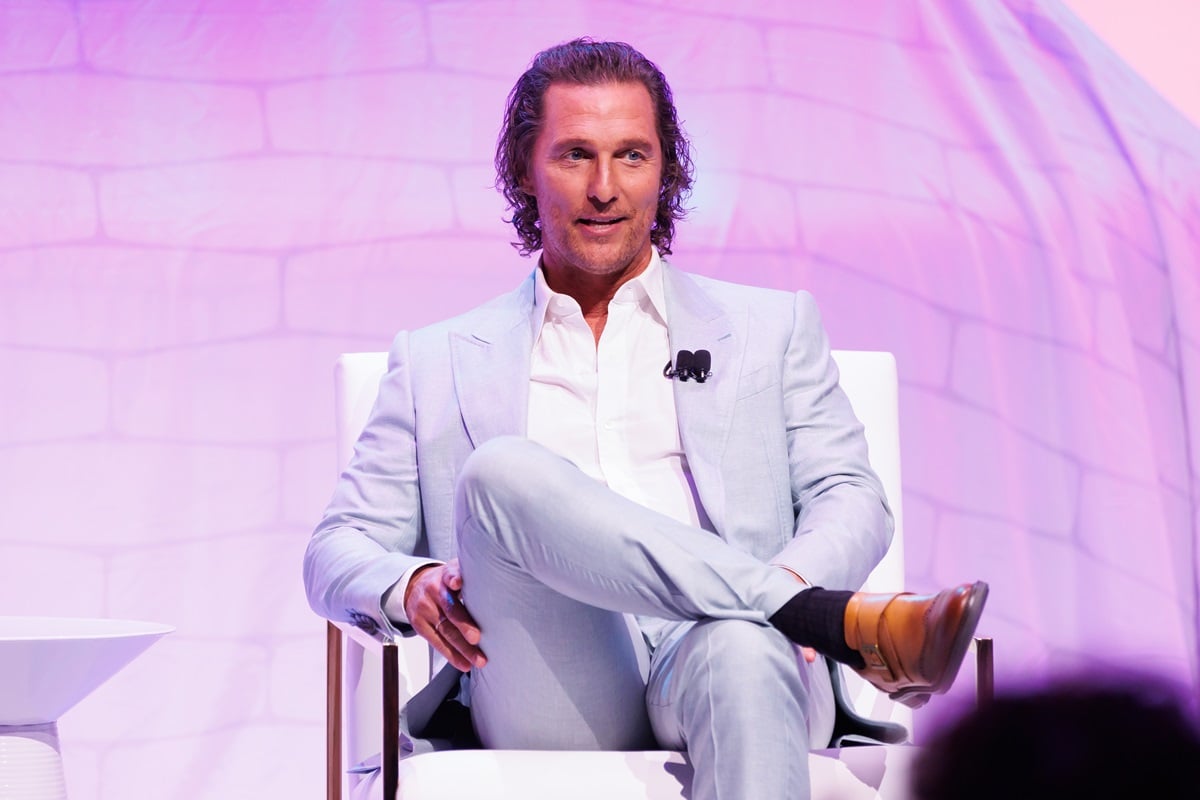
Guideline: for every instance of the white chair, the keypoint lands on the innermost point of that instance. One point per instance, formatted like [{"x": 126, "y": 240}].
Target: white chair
[{"x": 370, "y": 679}]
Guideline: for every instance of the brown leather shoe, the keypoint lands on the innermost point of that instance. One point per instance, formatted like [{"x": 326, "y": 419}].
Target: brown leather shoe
[{"x": 914, "y": 644}]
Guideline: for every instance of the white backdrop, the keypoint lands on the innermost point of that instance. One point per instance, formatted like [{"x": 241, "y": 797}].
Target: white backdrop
[{"x": 202, "y": 203}]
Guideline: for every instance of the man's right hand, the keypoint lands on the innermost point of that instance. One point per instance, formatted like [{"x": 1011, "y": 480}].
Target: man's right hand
[{"x": 434, "y": 608}]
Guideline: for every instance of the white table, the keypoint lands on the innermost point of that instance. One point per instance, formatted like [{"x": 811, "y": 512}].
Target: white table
[{"x": 47, "y": 665}]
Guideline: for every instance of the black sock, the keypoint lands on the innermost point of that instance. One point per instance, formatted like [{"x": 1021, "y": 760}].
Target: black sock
[{"x": 816, "y": 618}]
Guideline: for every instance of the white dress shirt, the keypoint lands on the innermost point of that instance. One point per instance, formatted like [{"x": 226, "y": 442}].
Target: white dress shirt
[{"x": 606, "y": 405}]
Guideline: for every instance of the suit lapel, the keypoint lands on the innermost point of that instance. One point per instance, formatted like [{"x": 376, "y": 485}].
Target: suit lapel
[
  {"x": 490, "y": 364},
  {"x": 491, "y": 368},
  {"x": 704, "y": 410}
]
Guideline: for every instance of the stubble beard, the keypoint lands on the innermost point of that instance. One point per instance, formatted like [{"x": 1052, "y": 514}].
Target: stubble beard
[{"x": 598, "y": 259}]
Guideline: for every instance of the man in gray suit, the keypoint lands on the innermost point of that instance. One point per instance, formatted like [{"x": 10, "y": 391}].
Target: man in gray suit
[{"x": 531, "y": 475}]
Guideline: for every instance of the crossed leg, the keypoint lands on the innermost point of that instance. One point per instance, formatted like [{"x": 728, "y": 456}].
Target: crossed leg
[
  {"x": 733, "y": 695},
  {"x": 551, "y": 559}
]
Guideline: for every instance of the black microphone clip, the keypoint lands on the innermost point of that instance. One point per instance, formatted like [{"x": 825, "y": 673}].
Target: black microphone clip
[{"x": 697, "y": 365}]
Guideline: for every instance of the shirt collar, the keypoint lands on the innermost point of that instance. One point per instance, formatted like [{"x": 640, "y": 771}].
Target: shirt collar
[{"x": 648, "y": 286}]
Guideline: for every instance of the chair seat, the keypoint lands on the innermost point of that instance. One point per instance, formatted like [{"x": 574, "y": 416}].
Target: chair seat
[{"x": 851, "y": 773}]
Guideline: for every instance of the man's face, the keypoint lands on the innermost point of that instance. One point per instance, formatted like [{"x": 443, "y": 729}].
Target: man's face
[{"x": 595, "y": 170}]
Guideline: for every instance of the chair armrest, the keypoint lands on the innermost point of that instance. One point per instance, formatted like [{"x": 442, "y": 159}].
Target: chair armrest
[
  {"x": 371, "y": 642},
  {"x": 385, "y": 647}
]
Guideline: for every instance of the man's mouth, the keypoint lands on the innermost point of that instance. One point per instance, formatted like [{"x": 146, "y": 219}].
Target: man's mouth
[{"x": 600, "y": 222}]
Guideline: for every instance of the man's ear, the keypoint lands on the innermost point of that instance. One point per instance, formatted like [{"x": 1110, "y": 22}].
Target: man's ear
[{"x": 526, "y": 185}]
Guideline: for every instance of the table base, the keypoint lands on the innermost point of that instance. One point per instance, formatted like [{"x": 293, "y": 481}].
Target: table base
[{"x": 31, "y": 763}]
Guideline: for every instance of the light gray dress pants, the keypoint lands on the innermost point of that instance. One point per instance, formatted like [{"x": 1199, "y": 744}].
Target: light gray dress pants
[{"x": 551, "y": 559}]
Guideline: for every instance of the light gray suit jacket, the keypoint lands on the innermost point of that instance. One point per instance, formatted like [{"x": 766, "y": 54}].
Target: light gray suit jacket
[{"x": 778, "y": 458}]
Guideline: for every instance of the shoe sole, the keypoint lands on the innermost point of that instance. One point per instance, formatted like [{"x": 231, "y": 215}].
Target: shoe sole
[{"x": 917, "y": 696}]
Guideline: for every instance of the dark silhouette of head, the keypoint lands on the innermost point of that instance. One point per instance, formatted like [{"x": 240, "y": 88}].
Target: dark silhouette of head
[
  {"x": 1075, "y": 739},
  {"x": 587, "y": 62}
]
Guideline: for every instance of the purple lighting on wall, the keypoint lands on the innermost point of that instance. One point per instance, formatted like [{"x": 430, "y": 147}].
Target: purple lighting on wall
[{"x": 205, "y": 202}]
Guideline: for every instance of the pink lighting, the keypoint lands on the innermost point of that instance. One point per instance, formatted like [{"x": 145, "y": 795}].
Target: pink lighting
[{"x": 205, "y": 202}]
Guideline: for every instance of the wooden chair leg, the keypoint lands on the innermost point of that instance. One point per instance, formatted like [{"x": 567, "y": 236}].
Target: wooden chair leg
[
  {"x": 333, "y": 712},
  {"x": 390, "y": 754},
  {"x": 985, "y": 677}
]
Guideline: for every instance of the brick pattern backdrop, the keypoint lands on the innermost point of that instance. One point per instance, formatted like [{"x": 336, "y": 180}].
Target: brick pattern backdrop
[{"x": 203, "y": 203}]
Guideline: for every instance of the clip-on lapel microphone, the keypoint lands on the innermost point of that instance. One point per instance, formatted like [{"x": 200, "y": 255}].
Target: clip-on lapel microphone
[{"x": 697, "y": 365}]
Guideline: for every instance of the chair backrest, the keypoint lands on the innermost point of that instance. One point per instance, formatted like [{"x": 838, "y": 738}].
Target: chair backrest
[
  {"x": 356, "y": 386},
  {"x": 868, "y": 378}
]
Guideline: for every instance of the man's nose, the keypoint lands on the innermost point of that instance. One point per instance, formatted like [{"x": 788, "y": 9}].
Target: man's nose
[{"x": 602, "y": 188}]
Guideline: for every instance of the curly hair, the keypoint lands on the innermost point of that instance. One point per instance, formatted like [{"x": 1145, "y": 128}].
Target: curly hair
[{"x": 587, "y": 62}]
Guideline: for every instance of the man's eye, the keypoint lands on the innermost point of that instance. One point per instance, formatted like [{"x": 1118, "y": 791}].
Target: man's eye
[
  {"x": 634, "y": 155},
  {"x": 574, "y": 155}
]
